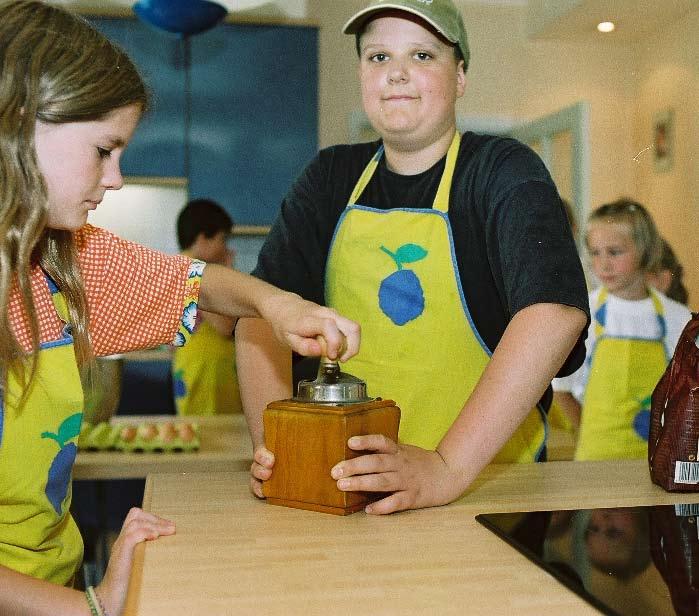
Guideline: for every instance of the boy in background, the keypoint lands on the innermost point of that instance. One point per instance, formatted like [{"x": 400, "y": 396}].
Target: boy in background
[{"x": 203, "y": 371}]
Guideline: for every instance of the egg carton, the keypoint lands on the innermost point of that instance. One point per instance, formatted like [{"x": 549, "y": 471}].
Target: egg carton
[{"x": 145, "y": 436}]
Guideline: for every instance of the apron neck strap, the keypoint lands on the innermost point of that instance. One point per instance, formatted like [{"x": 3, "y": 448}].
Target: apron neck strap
[
  {"x": 59, "y": 302},
  {"x": 441, "y": 200},
  {"x": 600, "y": 311}
]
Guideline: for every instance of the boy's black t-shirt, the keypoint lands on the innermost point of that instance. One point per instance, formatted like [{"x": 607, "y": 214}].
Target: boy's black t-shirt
[{"x": 512, "y": 240}]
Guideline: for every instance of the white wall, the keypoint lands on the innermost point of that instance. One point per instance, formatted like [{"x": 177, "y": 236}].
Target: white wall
[
  {"x": 510, "y": 76},
  {"x": 143, "y": 213},
  {"x": 668, "y": 78}
]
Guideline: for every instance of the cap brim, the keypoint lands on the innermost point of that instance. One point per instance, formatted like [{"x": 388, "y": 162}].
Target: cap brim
[{"x": 356, "y": 21}]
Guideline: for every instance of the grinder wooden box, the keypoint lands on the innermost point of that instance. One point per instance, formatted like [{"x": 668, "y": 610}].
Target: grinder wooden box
[{"x": 308, "y": 439}]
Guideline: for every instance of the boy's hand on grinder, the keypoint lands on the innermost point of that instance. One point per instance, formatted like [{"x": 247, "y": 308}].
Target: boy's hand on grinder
[
  {"x": 261, "y": 469},
  {"x": 416, "y": 477}
]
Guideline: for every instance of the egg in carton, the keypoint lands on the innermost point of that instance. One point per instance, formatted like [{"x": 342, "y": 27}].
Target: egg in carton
[{"x": 163, "y": 436}]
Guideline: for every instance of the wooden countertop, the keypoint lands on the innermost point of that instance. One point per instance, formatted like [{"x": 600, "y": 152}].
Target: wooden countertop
[
  {"x": 225, "y": 446},
  {"x": 233, "y": 554}
]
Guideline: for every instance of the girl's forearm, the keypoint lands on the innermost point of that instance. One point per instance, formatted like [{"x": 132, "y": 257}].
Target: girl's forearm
[
  {"x": 534, "y": 346},
  {"x": 23, "y": 595},
  {"x": 296, "y": 322},
  {"x": 228, "y": 292}
]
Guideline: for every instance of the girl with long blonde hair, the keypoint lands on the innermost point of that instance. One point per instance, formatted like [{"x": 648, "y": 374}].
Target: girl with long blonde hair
[{"x": 69, "y": 103}]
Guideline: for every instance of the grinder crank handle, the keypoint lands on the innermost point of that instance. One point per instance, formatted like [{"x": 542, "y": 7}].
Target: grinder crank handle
[{"x": 324, "y": 360}]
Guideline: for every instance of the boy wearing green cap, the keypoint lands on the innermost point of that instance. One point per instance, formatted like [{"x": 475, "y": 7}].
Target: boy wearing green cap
[{"x": 454, "y": 254}]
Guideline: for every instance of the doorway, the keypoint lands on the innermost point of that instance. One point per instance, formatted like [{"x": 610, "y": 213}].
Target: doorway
[{"x": 562, "y": 140}]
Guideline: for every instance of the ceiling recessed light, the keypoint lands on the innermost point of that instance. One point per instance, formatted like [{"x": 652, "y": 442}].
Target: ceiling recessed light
[{"x": 606, "y": 26}]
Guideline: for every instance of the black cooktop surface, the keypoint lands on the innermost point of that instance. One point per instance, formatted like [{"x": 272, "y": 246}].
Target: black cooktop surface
[{"x": 630, "y": 560}]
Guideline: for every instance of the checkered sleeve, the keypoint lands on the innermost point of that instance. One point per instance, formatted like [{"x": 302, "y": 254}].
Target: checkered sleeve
[{"x": 138, "y": 298}]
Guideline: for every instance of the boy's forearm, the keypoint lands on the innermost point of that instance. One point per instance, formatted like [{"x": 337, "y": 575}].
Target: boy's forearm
[
  {"x": 532, "y": 349},
  {"x": 264, "y": 372},
  {"x": 569, "y": 405}
]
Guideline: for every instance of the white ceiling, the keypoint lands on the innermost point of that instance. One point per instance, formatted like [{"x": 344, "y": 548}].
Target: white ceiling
[
  {"x": 553, "y": 19},
  {"x": 634, "y": 18}
]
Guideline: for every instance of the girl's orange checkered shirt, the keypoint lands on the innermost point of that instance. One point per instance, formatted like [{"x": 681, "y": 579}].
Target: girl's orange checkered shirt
[{"x": 138, "y": 298}]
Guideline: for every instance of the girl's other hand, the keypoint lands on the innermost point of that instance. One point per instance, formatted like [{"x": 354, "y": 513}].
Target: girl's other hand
[{"x": 138, "y": 526}]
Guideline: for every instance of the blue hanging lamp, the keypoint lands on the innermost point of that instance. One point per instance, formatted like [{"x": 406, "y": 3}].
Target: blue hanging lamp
[{"x": 183, "y": 17}]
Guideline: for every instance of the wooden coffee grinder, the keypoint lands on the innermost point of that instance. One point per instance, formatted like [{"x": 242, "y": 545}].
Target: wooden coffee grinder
[{"x": 308, "y": 435}]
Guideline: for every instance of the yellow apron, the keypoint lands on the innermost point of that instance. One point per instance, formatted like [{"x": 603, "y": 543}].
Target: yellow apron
[
  {"x": 204, "y": 376},
  {"x": 558, "y": 418},
  {"x": 616, "y": 407},
  {"x": 38, "y": 445},
  {"x": 394, "y": 271}
]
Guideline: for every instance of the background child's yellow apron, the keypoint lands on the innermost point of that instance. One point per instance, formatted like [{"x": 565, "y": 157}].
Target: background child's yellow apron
[
  {"x": 615, "y": 414},
  {"x": 204, "y": 376},
  {"x": 394, "y": 271},
  {"x": 38, "y": 445}
]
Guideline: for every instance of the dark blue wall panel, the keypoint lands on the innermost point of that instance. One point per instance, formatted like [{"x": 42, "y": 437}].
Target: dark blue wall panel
[
  {"x": 157, "y": 148},
  {"x": 254, "y": 111}
]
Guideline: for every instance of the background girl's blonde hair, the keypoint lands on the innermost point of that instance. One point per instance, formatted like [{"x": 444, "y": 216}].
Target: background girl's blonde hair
[
  {"x": 56, "y": 68},
  {"x": 643, "y": 230}
]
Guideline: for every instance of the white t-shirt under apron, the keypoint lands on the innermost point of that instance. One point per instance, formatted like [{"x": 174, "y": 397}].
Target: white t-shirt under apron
[{"x": 627, "y": 319}]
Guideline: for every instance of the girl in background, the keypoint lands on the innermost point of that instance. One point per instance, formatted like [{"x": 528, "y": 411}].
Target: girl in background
[
  {"x": 667, "y": 276},
  {"x": 633, "y": 333},
  {"x": 70, "y": 101}
]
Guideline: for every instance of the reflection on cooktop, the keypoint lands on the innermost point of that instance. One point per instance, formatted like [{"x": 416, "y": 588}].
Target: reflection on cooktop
[{"x": 623, "y": 561}]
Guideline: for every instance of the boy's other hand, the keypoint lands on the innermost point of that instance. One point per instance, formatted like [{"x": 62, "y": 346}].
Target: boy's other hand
[
  {"x": 261, "y": 469},
  {"x": 415, "y": 477}
]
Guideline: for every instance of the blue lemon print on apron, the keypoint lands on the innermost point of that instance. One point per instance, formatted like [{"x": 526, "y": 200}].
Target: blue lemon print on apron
[
  {"x": 641, "y": 422},
  {"x": 59, "y": 472},
  {"x": 178, "y": 385},
  {"x": 401, "y": 297}
]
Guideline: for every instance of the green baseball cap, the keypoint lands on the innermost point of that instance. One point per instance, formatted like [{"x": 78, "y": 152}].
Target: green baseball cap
[{"x": 442, "y": 15}]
